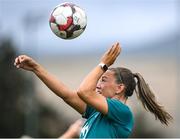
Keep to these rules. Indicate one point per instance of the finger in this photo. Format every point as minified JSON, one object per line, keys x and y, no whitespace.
{"x":15,"y":64}
{"x":18,"y":66}
{"x":117,"y":52}
{"x":116,"y":49}
{"x":21,"y":58}
{"x":112,"y":49}
{"x":16,"y":61}
{"x":109,"y":50}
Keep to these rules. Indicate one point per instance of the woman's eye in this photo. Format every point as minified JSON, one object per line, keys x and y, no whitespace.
{"x":103,"y":80}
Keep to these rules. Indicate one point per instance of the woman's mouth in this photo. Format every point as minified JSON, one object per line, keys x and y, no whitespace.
{"x":99,"y":92}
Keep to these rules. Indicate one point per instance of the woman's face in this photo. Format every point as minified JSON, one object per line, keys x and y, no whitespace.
{"x":107,"y":85}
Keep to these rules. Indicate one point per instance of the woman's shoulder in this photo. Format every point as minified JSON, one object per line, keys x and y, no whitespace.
{"x":119,"y":111}
{"x":117,"y":104}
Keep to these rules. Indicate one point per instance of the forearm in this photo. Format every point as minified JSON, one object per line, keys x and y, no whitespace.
{"x":52,"y":82}
{"x":69,"y":96}
{"x":90,"y":82}
{"x":87,"y":91}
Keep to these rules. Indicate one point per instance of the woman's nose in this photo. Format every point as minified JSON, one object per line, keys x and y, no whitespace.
{"x":98,"y":86}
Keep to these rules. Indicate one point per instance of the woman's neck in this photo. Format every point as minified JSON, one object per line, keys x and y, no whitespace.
{"x":120,"y":98}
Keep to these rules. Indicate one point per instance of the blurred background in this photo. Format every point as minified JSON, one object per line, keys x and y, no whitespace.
{"x":148,"y":31}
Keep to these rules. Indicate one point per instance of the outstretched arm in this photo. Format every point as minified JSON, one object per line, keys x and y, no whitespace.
{"x":87,"y":88}
{"x":60,"y":89}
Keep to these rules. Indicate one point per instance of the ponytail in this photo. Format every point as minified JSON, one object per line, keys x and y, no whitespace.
{"x":149,"y":102}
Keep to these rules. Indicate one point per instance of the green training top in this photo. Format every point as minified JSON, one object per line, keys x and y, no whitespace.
{"x":117,"y":123}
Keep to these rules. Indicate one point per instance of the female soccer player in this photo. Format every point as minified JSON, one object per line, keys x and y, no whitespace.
{"x":101,"y":97}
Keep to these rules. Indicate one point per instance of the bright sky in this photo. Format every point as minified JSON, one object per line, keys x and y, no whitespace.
{"x":132,"y":22}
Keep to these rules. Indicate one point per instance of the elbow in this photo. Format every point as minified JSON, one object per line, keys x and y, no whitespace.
{"x":83,"y":93}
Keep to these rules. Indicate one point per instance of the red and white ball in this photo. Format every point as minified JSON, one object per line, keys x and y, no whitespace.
{"x":68,"y":21}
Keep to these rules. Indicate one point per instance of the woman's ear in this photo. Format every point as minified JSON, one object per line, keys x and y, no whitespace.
{"x":120,"y":88}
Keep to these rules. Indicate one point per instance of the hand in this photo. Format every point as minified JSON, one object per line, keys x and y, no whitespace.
{"x":25,"y":63}
{"x":74,"y":130}
{"x":110,"y":56}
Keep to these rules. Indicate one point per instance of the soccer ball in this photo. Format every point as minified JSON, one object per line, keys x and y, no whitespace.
{"x":68,"y":21}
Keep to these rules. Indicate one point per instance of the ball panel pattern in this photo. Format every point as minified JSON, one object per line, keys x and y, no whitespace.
{"x":68,"y":21}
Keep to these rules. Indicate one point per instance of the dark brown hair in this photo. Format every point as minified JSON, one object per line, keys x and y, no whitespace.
{"x":143,"y":91}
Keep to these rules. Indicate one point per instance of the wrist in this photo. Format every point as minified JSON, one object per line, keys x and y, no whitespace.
{"x":103,"y":66}
{"x":37,"y":68}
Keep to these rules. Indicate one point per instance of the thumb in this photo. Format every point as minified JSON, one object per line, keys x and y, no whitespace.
{"x":21,"y":59}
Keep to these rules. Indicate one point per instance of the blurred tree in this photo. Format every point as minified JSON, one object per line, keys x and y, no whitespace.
{"x":21,"y":113}
{"x":11,"y":89}
{"x":141,"y":128}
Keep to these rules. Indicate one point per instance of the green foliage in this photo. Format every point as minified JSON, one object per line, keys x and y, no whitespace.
{"x":11,"y":89}
{"x":20,"y":111}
